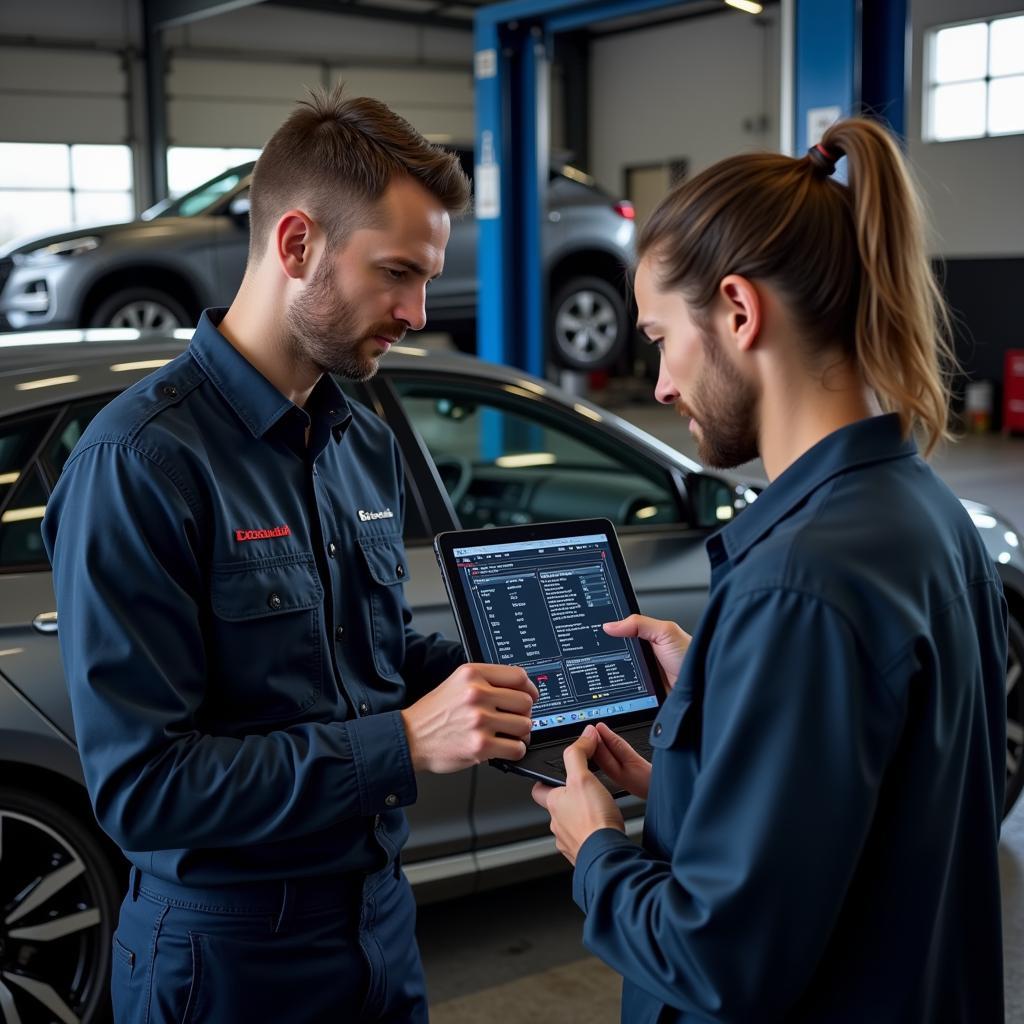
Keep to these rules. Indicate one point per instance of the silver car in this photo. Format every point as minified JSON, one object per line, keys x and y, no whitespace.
{"x":559,"y":457}
{"x":161,"y":271}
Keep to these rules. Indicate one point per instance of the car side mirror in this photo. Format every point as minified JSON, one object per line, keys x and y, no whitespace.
{"x":713,"y":501}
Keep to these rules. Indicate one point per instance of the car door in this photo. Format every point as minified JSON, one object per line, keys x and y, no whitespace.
{"x":506,"y":455}
{"x":33,"y":449}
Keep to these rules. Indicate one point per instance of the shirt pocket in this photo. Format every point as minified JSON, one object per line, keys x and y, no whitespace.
{"x":675,"y":725}
{"x":266,"y":644}
{"x":387,"y":568}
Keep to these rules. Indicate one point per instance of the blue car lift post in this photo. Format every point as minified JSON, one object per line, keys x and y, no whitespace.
{"x":848,"y":56}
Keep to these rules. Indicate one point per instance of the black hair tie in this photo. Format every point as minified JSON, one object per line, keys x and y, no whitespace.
{"x":823,"y":158}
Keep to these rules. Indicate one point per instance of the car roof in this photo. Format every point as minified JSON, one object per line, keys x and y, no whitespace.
{"x":40,"y":368}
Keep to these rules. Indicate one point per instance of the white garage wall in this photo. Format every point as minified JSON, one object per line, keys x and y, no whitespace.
{"x":974,"y":187}
{"x":702,"y":88}
{"x":70,"y":72}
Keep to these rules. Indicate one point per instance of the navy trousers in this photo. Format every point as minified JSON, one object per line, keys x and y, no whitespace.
{"x":315,"y":951}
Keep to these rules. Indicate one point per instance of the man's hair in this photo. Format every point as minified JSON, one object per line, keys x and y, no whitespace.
{"x":334,"y":157}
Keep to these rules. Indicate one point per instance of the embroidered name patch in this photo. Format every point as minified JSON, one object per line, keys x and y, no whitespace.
{"x":276,"y":531}
{"x":369,"y":517}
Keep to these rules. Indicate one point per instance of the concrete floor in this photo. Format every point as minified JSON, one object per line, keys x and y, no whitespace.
{"x":514,"y":955}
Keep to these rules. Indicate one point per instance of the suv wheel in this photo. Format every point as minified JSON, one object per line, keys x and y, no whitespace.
{"x":59,"y":900}
{"x":1014,"y":714}
{"x":144,"y":309}
{"x":589,"y":325}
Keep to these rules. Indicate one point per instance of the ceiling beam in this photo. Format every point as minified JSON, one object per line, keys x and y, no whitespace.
{"x":354,"y":9}
{"x":164,"y":14}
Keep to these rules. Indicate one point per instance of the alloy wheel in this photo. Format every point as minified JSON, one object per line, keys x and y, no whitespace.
{"x":51,"y":925}
{"x":586,"y":326}
{"x":145,"y":315}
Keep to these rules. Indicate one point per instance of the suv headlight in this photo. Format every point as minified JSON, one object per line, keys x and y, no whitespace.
{"x":71,"y":247}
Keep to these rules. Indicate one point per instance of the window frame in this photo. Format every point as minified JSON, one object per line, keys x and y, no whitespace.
{"x":553,"y":411}
{"x":72,"y":190}
{"x":930,"y":84}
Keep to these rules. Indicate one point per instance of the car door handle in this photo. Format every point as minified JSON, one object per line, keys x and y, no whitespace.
{"x":45,"y":622}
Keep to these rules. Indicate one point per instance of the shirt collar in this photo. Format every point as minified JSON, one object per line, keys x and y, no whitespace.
{"x":256,"y":402}
{"x":876,"y":439}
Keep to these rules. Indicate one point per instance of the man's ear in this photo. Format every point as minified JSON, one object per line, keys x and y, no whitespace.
{"x":743,"y":310}
{"x":293,"y":244}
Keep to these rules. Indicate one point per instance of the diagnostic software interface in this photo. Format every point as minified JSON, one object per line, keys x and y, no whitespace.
{"x":541,"y":605}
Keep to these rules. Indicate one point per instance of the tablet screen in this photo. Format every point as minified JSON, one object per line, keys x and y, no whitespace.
{"x":540,"y":604}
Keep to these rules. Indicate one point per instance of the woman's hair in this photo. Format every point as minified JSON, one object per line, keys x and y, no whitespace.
{"x":849,"y":260}
{"x":335,"y":156}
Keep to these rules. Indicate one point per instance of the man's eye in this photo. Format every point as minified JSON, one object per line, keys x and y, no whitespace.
{"x":395,"y":275}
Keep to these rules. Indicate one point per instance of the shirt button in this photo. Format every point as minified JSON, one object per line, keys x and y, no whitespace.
{"x":332,"y":549}
{"x":391,"y":800}
{"x":399,"y":571}
{"x":274,"y":601}
{"x":339,"y":632}
{"x":364,"y":708}
{"x":657,"y":729}
{"x":170,"y":391}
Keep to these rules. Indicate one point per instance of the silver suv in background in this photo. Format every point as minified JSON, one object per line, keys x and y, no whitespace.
{"x":182,"y":255}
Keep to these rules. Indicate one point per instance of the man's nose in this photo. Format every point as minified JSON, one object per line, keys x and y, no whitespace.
{"x":665,"y":391}
{"x":413,"y":309}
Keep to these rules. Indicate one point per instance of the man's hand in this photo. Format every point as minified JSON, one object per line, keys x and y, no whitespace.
{"x":478,"y":712}
{"x":669,"y":641}
{"x":621,"y":763}
{"x":582,"y":806}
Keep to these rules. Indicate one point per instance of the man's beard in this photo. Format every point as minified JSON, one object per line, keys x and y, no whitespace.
{"x":322,"y":327}
{"x":725,"y":411}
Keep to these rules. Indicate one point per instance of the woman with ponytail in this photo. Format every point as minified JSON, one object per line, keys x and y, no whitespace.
{"x":825,"y":795}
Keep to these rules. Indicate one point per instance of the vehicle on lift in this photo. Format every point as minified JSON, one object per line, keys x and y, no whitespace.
{"x":483,"y":445}
{"x":159,"y":272}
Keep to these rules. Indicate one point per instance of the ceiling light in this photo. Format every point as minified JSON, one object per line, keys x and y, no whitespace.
{"x":746,"y":5}
{"x":48,"y":382}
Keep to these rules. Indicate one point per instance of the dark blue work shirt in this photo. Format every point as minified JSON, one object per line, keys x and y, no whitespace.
{"x":234,"y":633}
{"x":827,"y":786}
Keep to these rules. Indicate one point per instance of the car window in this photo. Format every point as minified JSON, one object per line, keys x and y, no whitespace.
{"x":68,"y":433}
{"x":506,"y":459}
{"x":200,"y":199}
{"x":21,"y":543}
{"x":18,"y":443}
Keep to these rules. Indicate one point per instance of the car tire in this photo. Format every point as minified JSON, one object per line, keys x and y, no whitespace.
{"x":590,"y":327}
{"x":1014,"y":714}
{"x":53,"y":864}
{"x":141,"y":309}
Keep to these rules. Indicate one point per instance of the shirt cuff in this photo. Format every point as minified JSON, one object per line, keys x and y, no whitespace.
{"x":594,"y":846}
{"x":384,"y":772}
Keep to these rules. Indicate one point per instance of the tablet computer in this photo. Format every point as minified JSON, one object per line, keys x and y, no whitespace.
{"x":537,"y":596}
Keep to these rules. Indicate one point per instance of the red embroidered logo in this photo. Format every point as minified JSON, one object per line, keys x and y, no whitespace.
{"x":277,"y":531}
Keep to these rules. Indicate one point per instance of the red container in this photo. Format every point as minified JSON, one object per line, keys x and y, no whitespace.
{"x":1013,"y":391}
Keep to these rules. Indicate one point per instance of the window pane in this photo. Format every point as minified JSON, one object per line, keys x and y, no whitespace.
{"x":188,"y":167}
{"x":18,"y":442}
{"x":958,"y":111}
{"x":1006,"y":105}
{"x":33,"y":213}
{"x":103,"y":207}
{"x":21,"y":543}
{"x":39,"y":165}
{"x":1006,"y":55}
{"x":961,"y":53}
{"x":102,"y":167}
{"x":504,"y":461}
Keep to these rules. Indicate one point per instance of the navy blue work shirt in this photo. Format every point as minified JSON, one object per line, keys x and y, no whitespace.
{"x":234,"y":633}
{"x":827,"y":786}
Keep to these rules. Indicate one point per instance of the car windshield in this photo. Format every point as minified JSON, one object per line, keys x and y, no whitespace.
{"x":200,"y":199}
